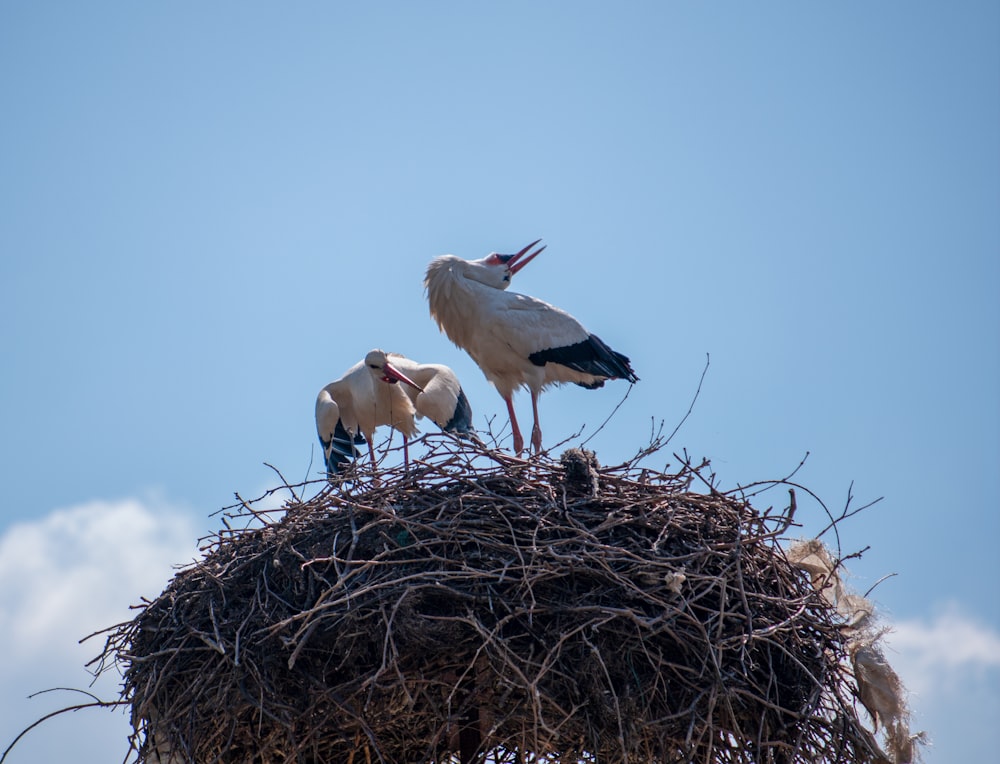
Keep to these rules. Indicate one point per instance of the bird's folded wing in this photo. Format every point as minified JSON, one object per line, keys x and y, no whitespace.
{"x":531,"y":325}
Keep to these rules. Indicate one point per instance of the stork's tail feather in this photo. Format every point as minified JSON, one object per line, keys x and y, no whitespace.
{"x":339,"y":451}
{"x":461,"y":421}
{"x":590,"y":356}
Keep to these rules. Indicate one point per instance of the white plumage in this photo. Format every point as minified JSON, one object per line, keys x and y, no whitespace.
{"x":518,"y":341}
{"x":439,"y":396}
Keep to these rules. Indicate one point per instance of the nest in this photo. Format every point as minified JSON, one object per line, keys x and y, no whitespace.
{"x":482,"y":608}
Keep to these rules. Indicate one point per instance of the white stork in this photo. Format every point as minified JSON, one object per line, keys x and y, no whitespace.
{"x":438,"y":394}
{"x":518,"y":341}
{"x":349,"y":410}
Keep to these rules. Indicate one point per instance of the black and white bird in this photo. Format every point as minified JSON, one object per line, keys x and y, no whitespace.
{"x":349,"y":410}
{"x":517,"y":340}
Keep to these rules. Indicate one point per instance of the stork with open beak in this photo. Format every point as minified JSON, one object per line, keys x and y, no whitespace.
{"x":349,"y":410}
{"x":517,"y":340}
{"x":437,"y":393}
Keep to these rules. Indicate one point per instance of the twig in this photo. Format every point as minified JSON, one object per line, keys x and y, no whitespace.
{"x":693,"y":401}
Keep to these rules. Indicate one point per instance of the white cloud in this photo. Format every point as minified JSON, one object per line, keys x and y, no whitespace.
{"x":933,"y":656}
{"x":77,"y":570}
{"x":951,"y":640}
{"x":62,"y":577}
{"x":950,"y":664}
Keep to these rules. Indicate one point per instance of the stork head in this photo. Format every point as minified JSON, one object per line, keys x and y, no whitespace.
{"x":496,"y":270}
{"x":378,"y":363}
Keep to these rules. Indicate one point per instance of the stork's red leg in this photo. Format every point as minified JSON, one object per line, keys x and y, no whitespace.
{"x":536,"y":430}
{"x":515,"y":430}
{"x":406,"y":454}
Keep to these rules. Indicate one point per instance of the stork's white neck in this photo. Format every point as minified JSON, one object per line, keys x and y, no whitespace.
{"x":455,"y":299}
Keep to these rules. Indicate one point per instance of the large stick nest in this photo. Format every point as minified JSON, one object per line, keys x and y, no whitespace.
{"x":530,"y":611}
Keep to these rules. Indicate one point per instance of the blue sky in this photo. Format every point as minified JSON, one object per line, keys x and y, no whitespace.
{"x":209,"y":211}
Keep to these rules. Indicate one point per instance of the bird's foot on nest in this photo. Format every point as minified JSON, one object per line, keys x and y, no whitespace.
{"x":536,"y":439}
{"x":518,"y":443}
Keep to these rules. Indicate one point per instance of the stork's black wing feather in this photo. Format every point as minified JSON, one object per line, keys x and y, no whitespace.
{"x":590,"y":356}
{"x":339,"y":451}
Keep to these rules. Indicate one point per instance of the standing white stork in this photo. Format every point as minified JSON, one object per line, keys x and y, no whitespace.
{"x":438,"y":394}
{"x":349,"y":410}
{"x":518,"y":341}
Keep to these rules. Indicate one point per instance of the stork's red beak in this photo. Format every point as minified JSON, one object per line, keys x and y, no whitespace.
{"x":514,"y":262}
{"x":392,"y":375}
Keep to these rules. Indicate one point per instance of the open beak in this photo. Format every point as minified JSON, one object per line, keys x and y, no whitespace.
{"x":392,"y":375}
{"x":514,"y":262}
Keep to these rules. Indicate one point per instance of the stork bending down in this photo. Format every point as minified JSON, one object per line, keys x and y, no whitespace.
{"x":518,"y":341}
{"x":349,"y":410}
